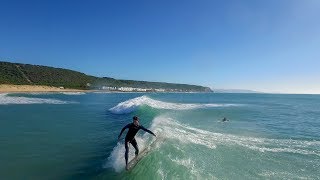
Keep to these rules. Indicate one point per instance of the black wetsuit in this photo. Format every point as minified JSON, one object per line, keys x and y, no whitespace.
{"x":133,"y":129}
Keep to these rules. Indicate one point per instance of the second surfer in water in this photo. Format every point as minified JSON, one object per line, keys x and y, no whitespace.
{"x":133,"y":129}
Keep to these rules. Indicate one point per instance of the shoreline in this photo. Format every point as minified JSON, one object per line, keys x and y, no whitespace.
{"x":9,"y":88}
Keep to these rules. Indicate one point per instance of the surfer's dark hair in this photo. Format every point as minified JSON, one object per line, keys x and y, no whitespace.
{"x":135,"y":118}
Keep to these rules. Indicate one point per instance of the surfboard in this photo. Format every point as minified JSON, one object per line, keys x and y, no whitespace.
{"x":142,"y":154}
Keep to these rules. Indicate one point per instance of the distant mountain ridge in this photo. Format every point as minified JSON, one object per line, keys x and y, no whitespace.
{"x":27,"y":74}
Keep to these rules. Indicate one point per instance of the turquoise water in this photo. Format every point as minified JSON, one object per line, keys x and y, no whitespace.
{"x":74,"y":136}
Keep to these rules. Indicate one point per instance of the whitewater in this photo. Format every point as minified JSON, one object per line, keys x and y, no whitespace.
{"x":132,"y":104}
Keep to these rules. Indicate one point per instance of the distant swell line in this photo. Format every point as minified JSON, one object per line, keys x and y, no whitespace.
{"x":6,"y":100}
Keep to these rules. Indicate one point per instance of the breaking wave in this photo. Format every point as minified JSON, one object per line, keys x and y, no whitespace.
{"x":132,"y":104}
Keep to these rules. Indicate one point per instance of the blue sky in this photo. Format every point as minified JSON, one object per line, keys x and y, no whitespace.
{"x":271,"y":46}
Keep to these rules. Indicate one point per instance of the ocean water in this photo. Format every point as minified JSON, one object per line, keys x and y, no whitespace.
{"x":74,"y":136}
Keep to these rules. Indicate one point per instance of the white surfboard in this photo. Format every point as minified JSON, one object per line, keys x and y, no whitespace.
{"x":142,"y":154}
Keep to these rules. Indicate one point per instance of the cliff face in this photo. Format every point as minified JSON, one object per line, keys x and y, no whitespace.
{"x":26,"y":74}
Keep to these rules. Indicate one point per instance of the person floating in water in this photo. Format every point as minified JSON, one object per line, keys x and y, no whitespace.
{"x":133,"y":129}
{"x":225,"y":119}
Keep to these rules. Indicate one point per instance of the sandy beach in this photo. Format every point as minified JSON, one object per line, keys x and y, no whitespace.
{"x":8,"y":88}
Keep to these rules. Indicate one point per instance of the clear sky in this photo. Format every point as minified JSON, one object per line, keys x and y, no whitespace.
{"x":264,"y":45}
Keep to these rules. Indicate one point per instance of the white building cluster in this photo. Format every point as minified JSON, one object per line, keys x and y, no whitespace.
{"x":132,"y":89}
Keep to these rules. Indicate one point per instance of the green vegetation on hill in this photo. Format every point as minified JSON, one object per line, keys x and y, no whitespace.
{"x":22,"y":74}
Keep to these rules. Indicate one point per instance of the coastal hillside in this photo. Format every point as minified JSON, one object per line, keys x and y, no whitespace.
{"x":27,"y":74}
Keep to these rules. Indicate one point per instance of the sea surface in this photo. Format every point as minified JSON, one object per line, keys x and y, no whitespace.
{"x":74,"y":136}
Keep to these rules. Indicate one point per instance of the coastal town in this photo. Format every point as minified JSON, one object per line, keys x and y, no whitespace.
{"x":133,"y":89}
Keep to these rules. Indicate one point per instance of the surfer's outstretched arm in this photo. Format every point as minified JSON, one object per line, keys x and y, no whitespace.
{"x":124,"y":128}
{"x":147,"y":130}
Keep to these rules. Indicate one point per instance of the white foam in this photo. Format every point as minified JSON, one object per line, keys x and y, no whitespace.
{"x":195,"y":171}
{"x":188,"y":163}
{"x":116,"y":159}
{"x":185,"y":134}
{"x":5,"y":100}
{"x":132,"y":104}
{"x":102,"y":92}
{"x":162,"y":174}
{"x":39,"y":93}
{"x":73,"y":93}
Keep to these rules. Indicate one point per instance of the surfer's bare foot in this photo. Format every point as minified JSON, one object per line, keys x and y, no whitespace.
{"x":127,"y":167}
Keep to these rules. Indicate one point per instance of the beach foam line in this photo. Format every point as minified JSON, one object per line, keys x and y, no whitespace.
{"x":132,"y":104}
{"x":73,"y":93}
{"x":185,"y":134}
{"x":6,"y":100}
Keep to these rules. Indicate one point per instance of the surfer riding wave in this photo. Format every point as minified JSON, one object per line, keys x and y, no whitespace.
{"x":133,"y":129}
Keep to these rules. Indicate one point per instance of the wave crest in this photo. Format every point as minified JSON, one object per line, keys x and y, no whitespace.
{"x":132,"y":104}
